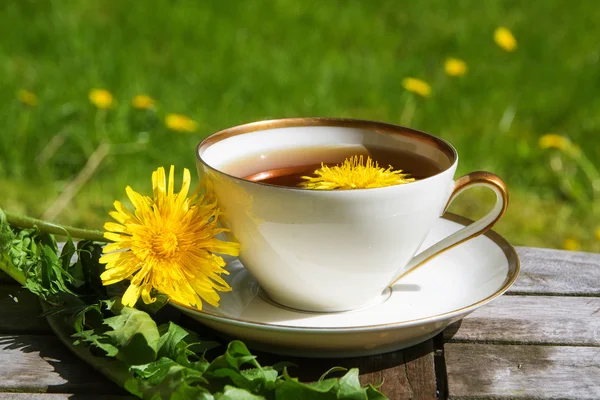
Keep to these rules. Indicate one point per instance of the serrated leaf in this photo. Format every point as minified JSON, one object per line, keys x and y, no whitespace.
{"x":200,"y":346}
{"x":233,"y":393}
{"x":165,"y":379}
{"x":52,"y":271}
{"x":293,"y":389}
{"x":331,"y":371}
{"x":349,"y":387}
{"x":171,"y":336}
{"x":92,"y":312}
{"x":236,"y":355}
{"x":280,"y":366}
{"x":266,"y":374}
{"x":236,"y":378}
{"x":66,"y":255}
{"x":96,"y":338}
{"x":323,"y":386}
{"x":374,"y":394}
{"x":88,"y":255}
{"x":135,"y":335}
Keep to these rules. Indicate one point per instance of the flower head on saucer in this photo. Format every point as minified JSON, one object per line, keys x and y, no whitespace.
{"x":355,"y":173}
{"x":168,"y":244}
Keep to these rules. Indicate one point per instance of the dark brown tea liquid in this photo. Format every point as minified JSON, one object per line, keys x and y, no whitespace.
{"x":287,"y":167}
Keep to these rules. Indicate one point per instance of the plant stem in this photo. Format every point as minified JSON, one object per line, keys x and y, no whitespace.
{"x":77,"y":183}
{"x":7,"y":266}
{"x":48,"y":227}
{"x":591,"y":173}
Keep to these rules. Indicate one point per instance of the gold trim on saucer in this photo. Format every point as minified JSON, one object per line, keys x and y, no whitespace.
{"x":513,"y":273}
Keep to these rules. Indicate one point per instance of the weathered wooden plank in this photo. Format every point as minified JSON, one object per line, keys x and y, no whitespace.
{"x":20,"y":311}
{"x":32,"y":363}
{"x":545,"y":271}
{"x":522,"y":371}
{"x":61,"y":396}
{"x":532,"y":319}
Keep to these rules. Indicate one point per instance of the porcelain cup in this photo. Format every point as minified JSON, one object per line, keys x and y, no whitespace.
{"x":335,"y":250}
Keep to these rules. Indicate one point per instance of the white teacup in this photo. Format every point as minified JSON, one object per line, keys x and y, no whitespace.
{"x":335,"y":250}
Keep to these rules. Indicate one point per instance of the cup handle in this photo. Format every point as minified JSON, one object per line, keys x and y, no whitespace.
{"x":478,"y":178}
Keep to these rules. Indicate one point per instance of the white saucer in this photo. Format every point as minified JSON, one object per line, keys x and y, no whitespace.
{"x":419,"y":306}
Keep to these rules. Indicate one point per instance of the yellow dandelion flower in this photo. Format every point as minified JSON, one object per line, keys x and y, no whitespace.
{"x":142,"y":102}
{"x":455,"y":67}
{"x":555,"y":141}
{"x":571,"y":244}
{"x":168,"y":244}
{"x":505,"y":39}
{"x":180,"y":123}
{"x":28,"y":98}
{"x":598,"y":233}
{"x":354,"y":174}
{"x":101,"y":98}
{"x":417,"y":86}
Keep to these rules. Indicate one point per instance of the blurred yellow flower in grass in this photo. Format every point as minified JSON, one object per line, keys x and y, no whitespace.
{"x":455,"y":67}
{"x":142,"y":102}
{"x":598,"y":233}
{"x":180,"y":123}
{"x":505,"y":39}
{"x":417,"y":86}
{"x":101,"y":98}
{"x":571,"y":244}
{"x":168,"y":244}
{"x":556,"y":141}
{"x":28,"y":98}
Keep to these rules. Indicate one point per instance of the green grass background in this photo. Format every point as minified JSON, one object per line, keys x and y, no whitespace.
{"x":224,"y":63}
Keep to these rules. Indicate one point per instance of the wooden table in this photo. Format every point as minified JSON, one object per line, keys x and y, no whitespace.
{"x":541,"y":340}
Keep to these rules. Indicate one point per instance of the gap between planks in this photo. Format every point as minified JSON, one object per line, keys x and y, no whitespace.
{"x":547,"y":320}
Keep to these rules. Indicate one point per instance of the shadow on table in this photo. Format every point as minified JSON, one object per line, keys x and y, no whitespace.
{"x":311,"y":369}
{"x":55,"y":369}
{"x":451,"y":330}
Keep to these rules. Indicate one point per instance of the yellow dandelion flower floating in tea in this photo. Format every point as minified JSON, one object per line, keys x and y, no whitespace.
{"x":101,"y":98}
{"x":505,"y":39}
{"x":417,"y":86}
{"x":354,"y":173}
{"x":28,"y":98}
{"x":142,"y":102}
{"x":168,"y":244}
{"x":180,"y":123}
{"x":571,"y":244}
{"x":455,"y":67}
